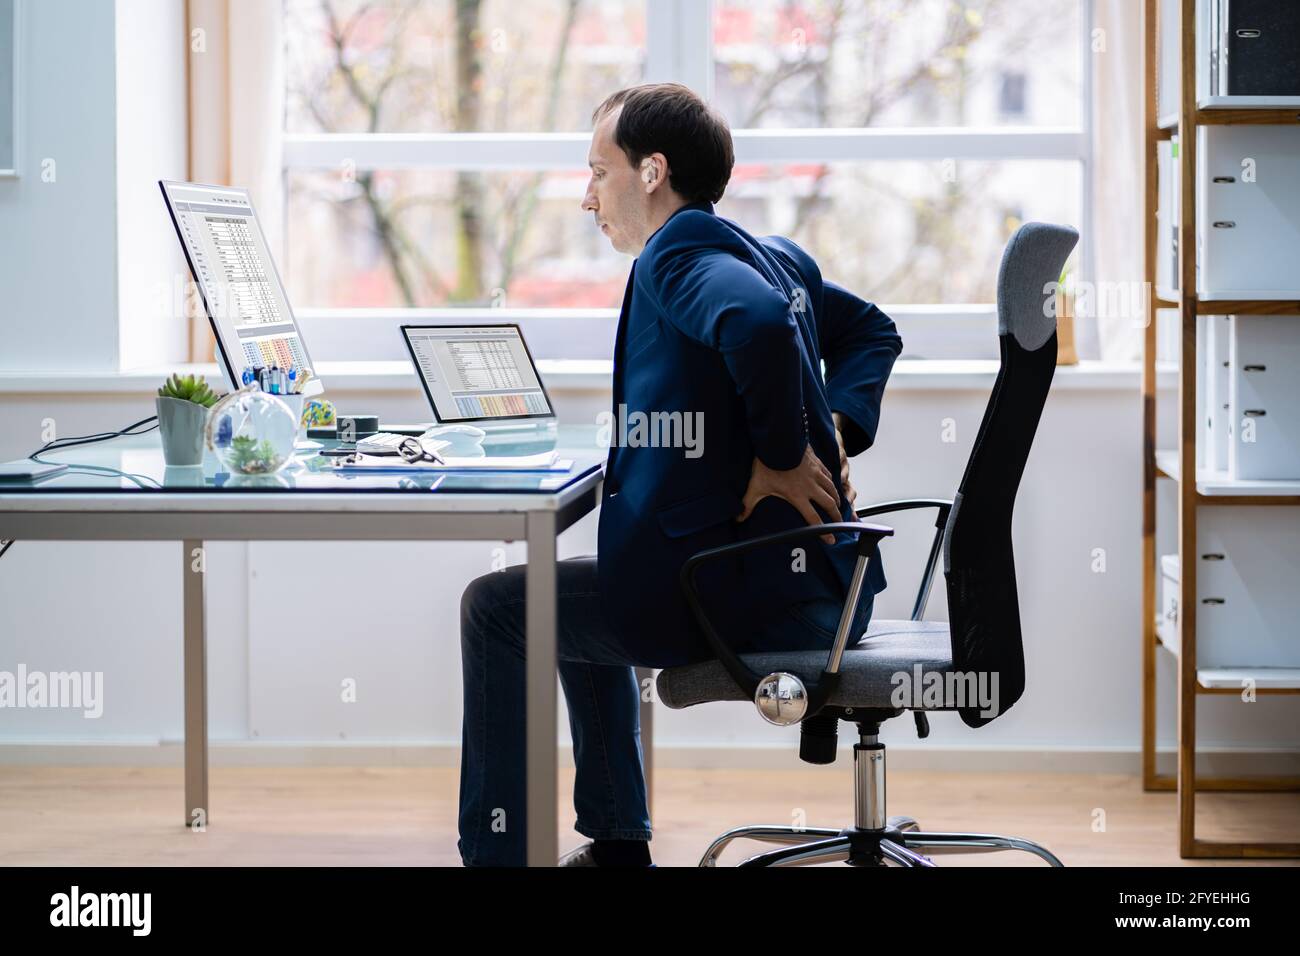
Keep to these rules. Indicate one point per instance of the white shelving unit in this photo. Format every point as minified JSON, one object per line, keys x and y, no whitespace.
{"x":1177,"y":104}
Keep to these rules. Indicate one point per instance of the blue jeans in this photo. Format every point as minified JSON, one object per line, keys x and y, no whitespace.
{"x":603,"y":698}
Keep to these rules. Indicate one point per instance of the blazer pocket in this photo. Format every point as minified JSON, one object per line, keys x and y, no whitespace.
{"x":696,"y":514}
{"x":644,"y":339}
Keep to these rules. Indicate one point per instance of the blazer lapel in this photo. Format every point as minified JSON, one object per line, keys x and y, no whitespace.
{"x":617,"y":386}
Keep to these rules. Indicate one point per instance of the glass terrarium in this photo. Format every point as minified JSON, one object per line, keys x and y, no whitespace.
{"x":252,"y":433}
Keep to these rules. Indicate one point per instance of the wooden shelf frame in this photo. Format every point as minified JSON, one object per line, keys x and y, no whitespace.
{"x":1189,"y":689}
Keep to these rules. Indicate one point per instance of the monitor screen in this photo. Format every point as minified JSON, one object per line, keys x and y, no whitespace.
{"x":477,"y":372}
{"x":237,"y":279}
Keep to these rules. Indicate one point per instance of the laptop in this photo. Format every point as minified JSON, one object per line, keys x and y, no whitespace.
{"x":480,"y":375}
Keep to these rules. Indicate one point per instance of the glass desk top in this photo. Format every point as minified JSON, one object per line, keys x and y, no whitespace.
{"x":135,"y":464}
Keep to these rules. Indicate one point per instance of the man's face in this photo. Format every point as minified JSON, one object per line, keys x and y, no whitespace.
{"x":616,"y":194}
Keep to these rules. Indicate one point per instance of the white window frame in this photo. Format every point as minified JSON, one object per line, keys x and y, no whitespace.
{"x":679,"y":46}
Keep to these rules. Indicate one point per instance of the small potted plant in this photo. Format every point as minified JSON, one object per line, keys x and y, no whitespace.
{"x":1066,"y":354}
{"x":183,"y":405}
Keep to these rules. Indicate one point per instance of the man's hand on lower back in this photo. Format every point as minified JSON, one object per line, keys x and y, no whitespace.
{"x":806,"y":485}
{"x":850,"y":494}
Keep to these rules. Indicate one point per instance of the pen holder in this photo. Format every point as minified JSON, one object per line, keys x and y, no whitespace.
{"x":295,"y":403}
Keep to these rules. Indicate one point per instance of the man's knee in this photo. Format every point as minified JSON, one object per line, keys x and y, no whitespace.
{"x":488,"y":593}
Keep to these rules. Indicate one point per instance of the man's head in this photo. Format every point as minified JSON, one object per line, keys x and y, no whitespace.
{"x":654,"y":149}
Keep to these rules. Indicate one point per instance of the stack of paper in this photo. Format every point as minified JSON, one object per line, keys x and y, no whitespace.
{"x":545,"y":461}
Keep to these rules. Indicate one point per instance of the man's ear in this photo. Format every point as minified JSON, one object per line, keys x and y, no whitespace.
{"x":654,"y":170}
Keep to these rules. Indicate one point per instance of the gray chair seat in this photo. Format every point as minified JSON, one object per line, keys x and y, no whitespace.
{"x":866,"y":673}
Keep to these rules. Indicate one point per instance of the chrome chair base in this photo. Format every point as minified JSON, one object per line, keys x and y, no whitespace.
{"x":897,"y":845}
{"x":874,"y":839}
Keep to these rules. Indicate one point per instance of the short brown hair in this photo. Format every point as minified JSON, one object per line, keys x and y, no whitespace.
{"x":670,"y":118}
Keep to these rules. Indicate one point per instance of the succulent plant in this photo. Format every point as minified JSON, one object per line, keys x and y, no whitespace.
{"x":251,"y":457}
{"x":189,"y":389}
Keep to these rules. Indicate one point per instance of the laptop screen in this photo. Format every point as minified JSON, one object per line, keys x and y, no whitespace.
{"x":474,"y":373}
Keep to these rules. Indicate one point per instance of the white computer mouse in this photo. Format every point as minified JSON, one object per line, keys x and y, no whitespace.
{"x":464,"y":439}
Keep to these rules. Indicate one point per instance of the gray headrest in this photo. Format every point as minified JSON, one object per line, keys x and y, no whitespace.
{"x":1031,"y":263}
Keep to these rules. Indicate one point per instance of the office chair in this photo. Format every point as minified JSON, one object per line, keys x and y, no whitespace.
{"x":867,"y":683}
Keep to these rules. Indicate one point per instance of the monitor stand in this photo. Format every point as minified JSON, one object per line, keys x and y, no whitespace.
{"x":519,"y":438}
{"x":537,"y":428}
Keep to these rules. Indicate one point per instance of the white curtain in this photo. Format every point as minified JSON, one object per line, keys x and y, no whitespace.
{"x":236,"y":108}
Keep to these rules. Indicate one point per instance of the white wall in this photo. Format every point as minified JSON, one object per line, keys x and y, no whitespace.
{"x":83,"y":230}
{"x":283,"y":632}
{"x":58,"y":266}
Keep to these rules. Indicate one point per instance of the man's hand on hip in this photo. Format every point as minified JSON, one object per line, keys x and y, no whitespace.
{"x":805,"y":485}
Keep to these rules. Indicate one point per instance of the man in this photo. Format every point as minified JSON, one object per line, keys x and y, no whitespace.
{"x":718,"y":328}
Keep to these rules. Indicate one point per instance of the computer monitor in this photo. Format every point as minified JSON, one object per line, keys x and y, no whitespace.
{"x":241,"y":288}
{"x":477,"y":374}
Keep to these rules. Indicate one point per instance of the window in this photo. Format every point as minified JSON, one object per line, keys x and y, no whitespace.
{"x":435,"y":152}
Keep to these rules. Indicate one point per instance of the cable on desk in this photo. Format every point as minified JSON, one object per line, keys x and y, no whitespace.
{"x":60,"y":443}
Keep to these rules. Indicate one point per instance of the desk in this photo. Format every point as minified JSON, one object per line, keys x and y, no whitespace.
{"x":133,"y":497}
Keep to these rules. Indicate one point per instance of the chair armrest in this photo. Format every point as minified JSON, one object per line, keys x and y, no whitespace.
{"x":932,"y":560}
{"x":868,"y":536}
{"x":909,"y":504}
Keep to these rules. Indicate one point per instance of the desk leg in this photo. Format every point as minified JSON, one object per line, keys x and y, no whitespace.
{"x":196,"y":686}
{"x":540,"y":696}
{"x":644,"y":674}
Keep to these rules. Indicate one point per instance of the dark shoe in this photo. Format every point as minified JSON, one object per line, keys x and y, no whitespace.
{"x":582,"y":856}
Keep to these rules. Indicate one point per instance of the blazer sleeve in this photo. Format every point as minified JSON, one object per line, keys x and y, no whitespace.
{"x":859,"y":344}
{"x":719,"y":300}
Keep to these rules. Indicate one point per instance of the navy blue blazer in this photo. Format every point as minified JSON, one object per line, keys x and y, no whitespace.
{"x":731,"y":331}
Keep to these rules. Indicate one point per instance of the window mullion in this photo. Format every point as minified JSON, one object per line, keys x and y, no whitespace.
{"x":679,"y":43}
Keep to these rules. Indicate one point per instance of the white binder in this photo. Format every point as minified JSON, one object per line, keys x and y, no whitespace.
{"x":1264,"y":392}
{"x":1202,"y":344}
{"x":1245,"y":607}
{"x":1169,"y":335}
{"x":1248,"y":212}
{"x":1218,"y":413}
{"x":1248,"y":560}
{"x":1168,"y":61}
{"x":1167,"y":218}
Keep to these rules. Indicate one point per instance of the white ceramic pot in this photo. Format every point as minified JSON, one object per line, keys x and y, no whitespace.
{"x":182,"y":425}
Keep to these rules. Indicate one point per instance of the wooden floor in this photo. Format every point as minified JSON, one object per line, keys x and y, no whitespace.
{"x":349,"y":816}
